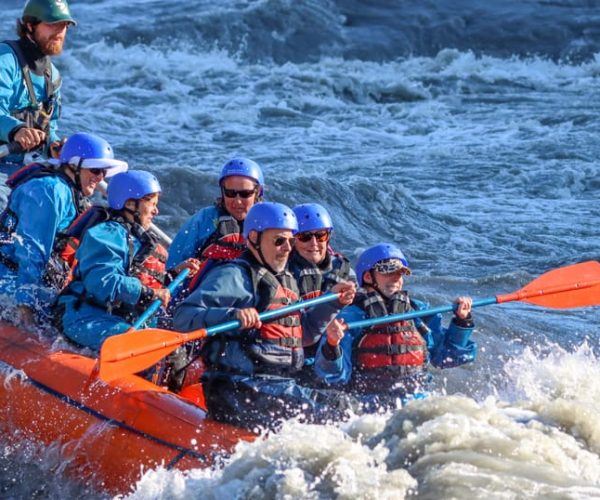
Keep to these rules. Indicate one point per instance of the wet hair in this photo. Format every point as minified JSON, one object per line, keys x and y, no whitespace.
{"x":22,"y":29}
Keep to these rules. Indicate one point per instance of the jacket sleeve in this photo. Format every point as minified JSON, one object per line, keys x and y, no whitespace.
{"x":44,"y":207}
{"x":192,"y":235}
{"x":225,"y":289}
{"x":103,"y":259}
{"x":338,"y":369}
{"x":448,"y":347}
{"x":10,"y":78}
{"x":316,"y":319}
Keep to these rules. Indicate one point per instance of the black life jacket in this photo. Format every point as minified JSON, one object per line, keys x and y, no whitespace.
{"x":38,"y":114}
{"x":225,"y":243}
{"x":148,"y":264}
{"x":277,"y":346}
{"x":384,"y":353}
{"x":9,"y":219}
{"x":314,"y":280}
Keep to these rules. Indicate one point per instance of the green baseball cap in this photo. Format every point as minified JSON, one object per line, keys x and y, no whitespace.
{"x":49,"y":11}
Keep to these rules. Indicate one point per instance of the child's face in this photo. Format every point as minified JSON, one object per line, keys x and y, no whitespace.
{"x":390,"y":283}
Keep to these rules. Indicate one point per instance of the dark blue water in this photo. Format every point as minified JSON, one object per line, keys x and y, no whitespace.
{"x":465,"y":132}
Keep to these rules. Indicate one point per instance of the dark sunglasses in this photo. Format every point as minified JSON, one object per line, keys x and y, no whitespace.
{"x":98,"y":171}
{"x":242,"y":193}
{"x":320,"y":236}
{"x":281,"y":240}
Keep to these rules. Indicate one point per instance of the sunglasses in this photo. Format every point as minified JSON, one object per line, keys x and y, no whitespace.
{"x":281,"y":240}
{"x":320,"y":236}
{"x":242,"y":193}
{"x":98,"y":171}
{"x":392,"y":266}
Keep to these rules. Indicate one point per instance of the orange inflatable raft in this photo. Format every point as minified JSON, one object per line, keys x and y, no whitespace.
{"x":108,"y":432}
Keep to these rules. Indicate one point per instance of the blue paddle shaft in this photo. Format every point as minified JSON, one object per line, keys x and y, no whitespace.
{"x":148,"y":313}
{"x":415,"y":314}
{"x":282,"y":311}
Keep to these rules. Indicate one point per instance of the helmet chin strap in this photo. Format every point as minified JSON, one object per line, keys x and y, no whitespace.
{"x":135,"y":213}
{"x":375,"y":285}
{"x":76,"y":173}
{"x":256,"y":247}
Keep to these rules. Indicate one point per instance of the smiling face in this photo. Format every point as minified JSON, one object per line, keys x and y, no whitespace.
{"x":312,"y":245}
{"x":89,"y":179}
{"x":147,"y":209}
{"x":234,"y":189}
{"x":275,"y":246}
{"x":388,"y":284}
{"x":50,"y":37}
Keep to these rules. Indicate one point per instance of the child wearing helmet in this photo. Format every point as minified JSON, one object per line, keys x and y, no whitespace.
{"x":387,"y":364}
{"x":215,"y":233}
{"x":43,"y":202}
{"x":250,"y":377}
{"x":121,"y":267}
{"x":30,"y":83}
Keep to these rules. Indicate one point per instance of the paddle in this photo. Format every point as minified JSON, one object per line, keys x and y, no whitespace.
{"x":567,"y":287}
{"x":148,"y":313}
{"x":132,"y":352}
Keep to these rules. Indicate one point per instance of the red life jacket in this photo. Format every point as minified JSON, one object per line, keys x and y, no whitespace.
{"x":225,"y":243}
{"x":273,"y":292}
{"x":59,"y":271}
{"x":397,"y":344}
{"x":148,"y":264}
{"x":276,"y":347}
{"x":281,"y":291}
{"x":314,"y":280}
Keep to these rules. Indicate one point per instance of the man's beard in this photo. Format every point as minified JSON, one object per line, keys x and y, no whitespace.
{"x":51,"y":46}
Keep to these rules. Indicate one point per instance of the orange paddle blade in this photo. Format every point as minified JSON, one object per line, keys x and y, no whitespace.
{"x":568,"y":287}
{"x":134,"y":351}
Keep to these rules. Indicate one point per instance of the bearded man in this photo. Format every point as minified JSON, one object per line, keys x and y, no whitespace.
{"x":30,"y":98}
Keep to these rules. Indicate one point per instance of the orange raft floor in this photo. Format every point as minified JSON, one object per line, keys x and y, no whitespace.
{"x":107,"y":432}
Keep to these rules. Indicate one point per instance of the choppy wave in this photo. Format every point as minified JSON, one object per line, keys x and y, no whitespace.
{"x":546,"y":445}
{"x":283,"y":30}
{"x":464,"y":132}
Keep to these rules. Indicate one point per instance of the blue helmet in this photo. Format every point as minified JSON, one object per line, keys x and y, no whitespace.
{"x":384,"y":257}
{"x":244,"y":168}
{"x":90,"y":151}
{"x":268,"y":215}
{"x":132,"y":185}
{"x":311,"y":217}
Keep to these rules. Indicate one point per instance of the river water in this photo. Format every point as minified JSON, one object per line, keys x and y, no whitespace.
{"x":463,"y":131}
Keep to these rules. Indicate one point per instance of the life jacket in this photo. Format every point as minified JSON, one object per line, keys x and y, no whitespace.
{"x":390,"y":350}
{"x":37,"y":114}
{"x":276,"y":347}
{"x":148,"y":264}
{"x":225,"y":243}
{"x":59,"y":271}
{"x":314,"y":280}
{"x":9,"y":219}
